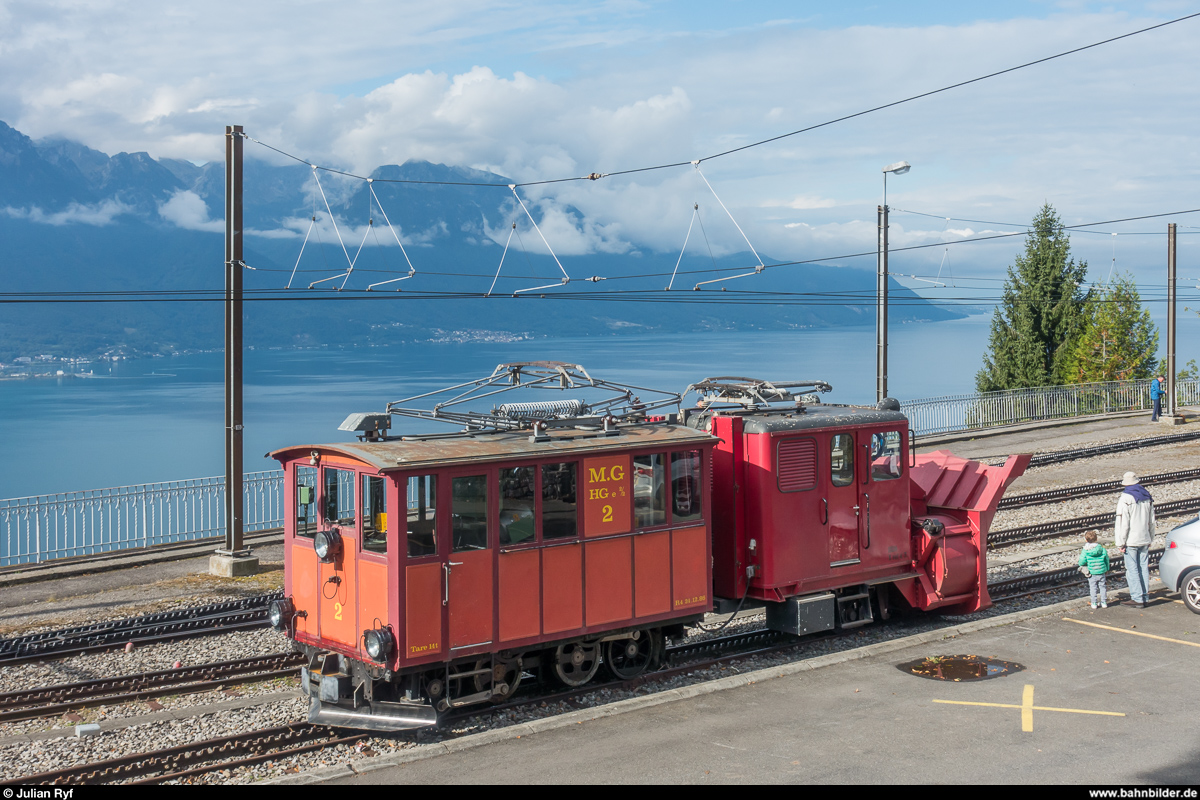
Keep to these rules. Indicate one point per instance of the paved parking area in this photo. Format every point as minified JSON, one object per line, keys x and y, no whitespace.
{"x":1105,"y":697}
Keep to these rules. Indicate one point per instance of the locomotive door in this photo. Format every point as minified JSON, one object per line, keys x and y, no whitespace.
{"x":468,"y":567}
{"x":337,"y":612}
{"x":845,"y":512}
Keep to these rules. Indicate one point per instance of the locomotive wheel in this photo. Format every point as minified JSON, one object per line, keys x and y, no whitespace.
{"x":506,"y":672}
{"x":628,"y":658}
{"x":575,"y":664}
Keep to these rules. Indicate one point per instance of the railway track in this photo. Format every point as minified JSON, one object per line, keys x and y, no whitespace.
{"x":1065,"y":527}
{"x":190,"y":760}
{"x":1061,"y":456}
{"x":227,"y":753}
{"x":244,"y":614}
{"x":55,"y":700}
{"x":1092,"y":489}
{"x":1024,"y":586}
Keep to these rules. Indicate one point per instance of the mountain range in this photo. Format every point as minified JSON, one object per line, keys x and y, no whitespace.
{"x":73,"y":219}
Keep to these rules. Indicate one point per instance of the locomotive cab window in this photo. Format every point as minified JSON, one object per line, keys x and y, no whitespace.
{"x":841,"y":459}
{"x":886,"y":460}
{"x":468,"y":513}
{"x":685,"y":486}
{"x":339,"y":496}
{"x":422,"y":516}
{"x":306,"y":501}
{"x":374,"y":515}
{"x":518,"y":505}
{"x":560,"y":510}
{"x":649,"y":490}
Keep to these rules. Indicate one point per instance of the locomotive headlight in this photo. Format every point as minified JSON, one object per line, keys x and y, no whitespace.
{"x":379,"y":643}
{"x":280,"y":613}
{"x":327,"y":544}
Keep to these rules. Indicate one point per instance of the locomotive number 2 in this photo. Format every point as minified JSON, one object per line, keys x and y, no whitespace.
{"x":337,"y":611}
{"x":608,"y":514}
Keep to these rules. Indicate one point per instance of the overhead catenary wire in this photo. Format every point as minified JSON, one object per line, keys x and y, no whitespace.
{"x":594,"y":176}
{"x":799,"y":262}
{"x":695,"y":163}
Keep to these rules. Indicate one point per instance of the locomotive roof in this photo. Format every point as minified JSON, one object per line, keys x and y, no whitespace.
{"x":420,"y":452}
{"x":813,"y":416}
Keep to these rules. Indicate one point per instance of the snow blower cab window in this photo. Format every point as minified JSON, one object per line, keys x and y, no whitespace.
{"x":517,"y":505}
{"x":374,"y":515}
{"x":339,"y":496}
{"x":841,"y":459}
{"x":422,"y":516}
{"x":886,"y":462}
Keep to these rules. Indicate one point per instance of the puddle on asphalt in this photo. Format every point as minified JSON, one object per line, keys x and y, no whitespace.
{"x":959,"y":668}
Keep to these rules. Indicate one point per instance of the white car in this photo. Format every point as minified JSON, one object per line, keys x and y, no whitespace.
{"x":1180,"y":564}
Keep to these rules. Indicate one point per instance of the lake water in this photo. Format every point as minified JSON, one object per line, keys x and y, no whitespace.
{"x":162,"y":419}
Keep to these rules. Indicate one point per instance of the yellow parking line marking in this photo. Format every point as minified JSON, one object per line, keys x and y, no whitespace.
{"x":1035,"y":708}
{"x":1027,"y":708}
{"x":1080,"y":711}
{"x":1132,"y":633}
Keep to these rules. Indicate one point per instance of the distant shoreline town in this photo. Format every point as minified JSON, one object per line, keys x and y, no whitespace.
{"x":51,"y":366}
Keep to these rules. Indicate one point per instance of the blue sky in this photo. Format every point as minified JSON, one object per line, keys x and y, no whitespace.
{"x":535,"y":90}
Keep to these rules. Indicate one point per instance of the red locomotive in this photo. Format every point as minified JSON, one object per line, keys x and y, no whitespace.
{"x":429,"y":572}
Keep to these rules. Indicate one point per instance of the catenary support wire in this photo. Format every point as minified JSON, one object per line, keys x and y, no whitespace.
{"x":695,"y":213}
{"x":566,"y":278}
{"x":507,"y":242}
{"x":760,"y":266}
{"x":411,"y":269}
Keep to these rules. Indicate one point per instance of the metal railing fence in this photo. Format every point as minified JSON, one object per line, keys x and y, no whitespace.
{"x":70,"y":524}
{"x":993,"y":409}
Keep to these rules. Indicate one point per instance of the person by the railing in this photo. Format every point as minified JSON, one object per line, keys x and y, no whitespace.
{"x":1156,"y":393}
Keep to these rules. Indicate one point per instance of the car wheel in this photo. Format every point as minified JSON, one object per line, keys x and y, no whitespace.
{"x":1189,"y":590}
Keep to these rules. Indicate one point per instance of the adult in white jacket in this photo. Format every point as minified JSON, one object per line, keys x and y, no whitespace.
{"x":1134,"y":531}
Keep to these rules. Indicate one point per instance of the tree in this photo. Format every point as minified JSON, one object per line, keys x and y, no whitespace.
{"x":1041,"y":312}
{"x":1118,"y":341}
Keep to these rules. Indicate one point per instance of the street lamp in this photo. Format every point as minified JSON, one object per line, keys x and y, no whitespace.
{"x":881,"y":286}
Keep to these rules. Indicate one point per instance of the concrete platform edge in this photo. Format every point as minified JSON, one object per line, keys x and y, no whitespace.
{"x":581,"y":716}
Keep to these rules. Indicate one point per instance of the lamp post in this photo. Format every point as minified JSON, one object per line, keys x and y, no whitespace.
{"x":881,"y":286}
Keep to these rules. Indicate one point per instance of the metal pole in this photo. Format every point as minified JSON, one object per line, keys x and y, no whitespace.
{"x":1170,"y":319}
{"x":233,"y":342}
{"x":881,"y":306}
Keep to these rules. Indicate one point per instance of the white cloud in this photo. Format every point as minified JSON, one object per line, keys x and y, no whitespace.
{"x":559,"y":90}
{"x":98,"y":214}
{"x":186,"y":209}
{"x":802,"y":202}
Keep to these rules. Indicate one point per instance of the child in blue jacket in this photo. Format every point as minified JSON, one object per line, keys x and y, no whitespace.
{"x":1094,"y":560}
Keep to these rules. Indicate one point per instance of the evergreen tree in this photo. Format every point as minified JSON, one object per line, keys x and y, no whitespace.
{"x":1040,"y":315}
{"x":1118,"y":341}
